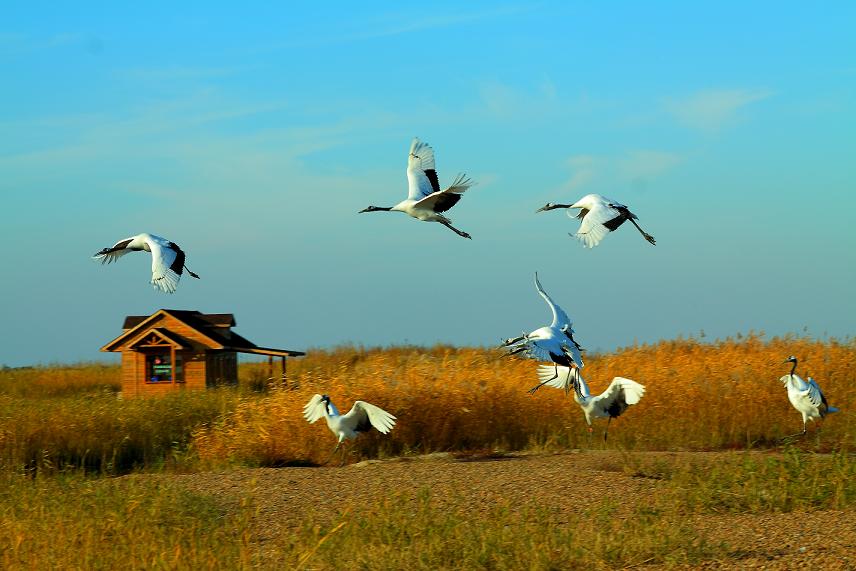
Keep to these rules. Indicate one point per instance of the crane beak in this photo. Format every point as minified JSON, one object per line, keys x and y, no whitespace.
{"x":542,"y":209}
{"x":511,"y":341}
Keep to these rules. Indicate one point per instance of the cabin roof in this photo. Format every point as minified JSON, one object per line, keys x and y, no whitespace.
{"x":213,"y":327}
{"x":206,"y":319}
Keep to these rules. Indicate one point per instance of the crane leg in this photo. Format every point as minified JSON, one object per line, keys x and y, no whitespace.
{"x":645,"y":235}
{"x":590,"y":431}
{"x":804,"y":430}
{"x":455,"y":230}
{"x":539,"y":385}
{"x":191,"y":273}
{"x":330,"y":457}
{"x":606,"y":430}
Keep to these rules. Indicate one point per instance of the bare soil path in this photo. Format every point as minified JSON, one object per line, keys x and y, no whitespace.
{"x":570,"y":482}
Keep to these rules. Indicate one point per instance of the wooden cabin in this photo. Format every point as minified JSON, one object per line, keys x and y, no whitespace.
{"x":177,"y":349}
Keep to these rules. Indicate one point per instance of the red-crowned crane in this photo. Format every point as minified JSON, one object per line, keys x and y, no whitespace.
{"x":554,"y":342}
{"x":425,"y":201}
{"x":362,"y":417}
{"x":600,"y":216}
{"x":805,"y":396}
{"x":167,"y":258}
{"x":611,"y":403}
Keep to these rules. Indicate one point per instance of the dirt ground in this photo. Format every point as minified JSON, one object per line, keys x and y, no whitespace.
{"x":569,"y":481}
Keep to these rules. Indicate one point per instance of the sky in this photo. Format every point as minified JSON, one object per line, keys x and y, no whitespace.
{"x":251,"y":134}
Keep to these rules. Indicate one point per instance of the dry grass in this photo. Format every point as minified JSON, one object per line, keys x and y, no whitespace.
{"x":99,"y":433}
{"x":700,"y":397}
{"x":59,"y":380}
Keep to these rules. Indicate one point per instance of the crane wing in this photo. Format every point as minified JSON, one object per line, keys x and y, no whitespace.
{"x":620,"y":394}
{"x":363,"y":415}
{"x":421,"y":175}
{"x":798,"y":383}
{"x":113,"y":253}
{"x":565,"y":381}
{"x":446,"y":199}
{"x":560,"y":318}
{"x":595,"y":224}
{"x":535,"y":351}
{"x":572,"y":349}
{"x":314,"y":409}
{"x":164,"y":262}
{"x":814,"y":395}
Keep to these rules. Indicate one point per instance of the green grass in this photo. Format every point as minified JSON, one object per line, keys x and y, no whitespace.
{"x":149,"y":521}
{"x":397,"y":535}
{"x":754,"y":483}
{"x":71,"y":522}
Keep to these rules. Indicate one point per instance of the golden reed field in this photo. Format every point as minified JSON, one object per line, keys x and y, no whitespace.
{"x":700,"y":396}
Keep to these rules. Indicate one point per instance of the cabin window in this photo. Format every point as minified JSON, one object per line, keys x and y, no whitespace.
{"x":158,"y":368}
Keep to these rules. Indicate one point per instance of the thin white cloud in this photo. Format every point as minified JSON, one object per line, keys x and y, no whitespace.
{"x":18,"y":44}
{"x":499,"y":99}
{"x":713,"y":109}
{"x":646,"y":164}
{"x":395,"y":24}
{"x":178,"y":73}
{"x":425,"y":22}
{"x":584,"y":169}
{"x":504,"y":101}
{"x":590,"y":171}
{"x":173,"y":133}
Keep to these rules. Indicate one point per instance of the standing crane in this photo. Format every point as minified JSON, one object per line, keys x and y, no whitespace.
{"x":805,"y":396}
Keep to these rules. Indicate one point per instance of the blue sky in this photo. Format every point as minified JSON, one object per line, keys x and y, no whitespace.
{"x":251,"y":134}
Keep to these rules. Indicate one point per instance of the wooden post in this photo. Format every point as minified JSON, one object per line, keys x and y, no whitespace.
{"x":172,"y":378}
{"x":270,"y":367}
{"x":283,"y":379}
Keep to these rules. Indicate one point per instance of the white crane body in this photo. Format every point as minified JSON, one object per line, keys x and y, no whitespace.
{"x":362,"y":417}
{"x":554,"y":342}
{"x":805,"y":396}
{"x":611,"y":403}
{"x":425,"y":199}
{"x":167,"y":258}
{"x":599,"y":216}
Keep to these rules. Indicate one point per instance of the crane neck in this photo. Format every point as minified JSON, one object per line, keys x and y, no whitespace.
{"x":330,"y":410}
{"x":794,"y":367}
